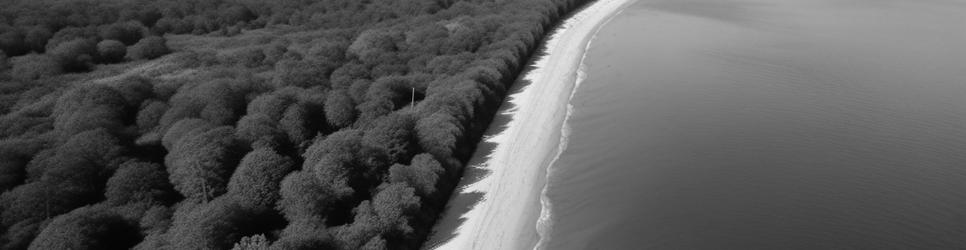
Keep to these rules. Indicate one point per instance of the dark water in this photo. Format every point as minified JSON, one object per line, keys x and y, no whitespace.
{"x":769,"y":124}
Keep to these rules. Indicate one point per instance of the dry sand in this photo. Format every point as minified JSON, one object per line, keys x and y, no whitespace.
{"x":498,"y":204}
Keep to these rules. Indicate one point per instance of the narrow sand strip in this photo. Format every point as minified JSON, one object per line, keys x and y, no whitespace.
{"x":505,"y":205}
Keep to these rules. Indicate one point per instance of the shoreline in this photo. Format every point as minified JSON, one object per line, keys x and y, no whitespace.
{"x":545,"y":221}
{"x":500,"y":202}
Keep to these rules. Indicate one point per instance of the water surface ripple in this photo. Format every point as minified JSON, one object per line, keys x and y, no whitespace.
{"x":769,"y":124}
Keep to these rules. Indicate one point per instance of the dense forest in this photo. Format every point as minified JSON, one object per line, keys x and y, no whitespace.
{"x":247,"y":124}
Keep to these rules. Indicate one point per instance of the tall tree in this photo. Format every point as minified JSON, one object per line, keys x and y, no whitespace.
{"x":201,"y":165}
{"x":256,"y":183}
{"x":137,"y":182}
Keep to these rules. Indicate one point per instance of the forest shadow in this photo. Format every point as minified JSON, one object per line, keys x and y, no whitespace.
{"x":476,"y":168}
{"x":460,"y":204}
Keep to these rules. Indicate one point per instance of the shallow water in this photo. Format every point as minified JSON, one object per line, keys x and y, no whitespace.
{"x":769,"y":124}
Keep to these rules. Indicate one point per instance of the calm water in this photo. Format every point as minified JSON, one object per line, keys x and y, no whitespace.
{"x":769,"y":124}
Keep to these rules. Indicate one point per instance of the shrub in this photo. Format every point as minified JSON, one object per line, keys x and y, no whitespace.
{"x":89,"y":118}
{"x":12,"y":42}
{"x":34,"y":66}
{"x":272,"y":104}
{"x":438,"y":134}
{"x":235,"y":14}
{"x":12,"y":172}
{"x":89,"y":107}
{"x":200,"y":165}
{"x":40,"y":200}
{"x":222,"y":110}
{"x":4,"y":61}
{"x":21,"y":234}
{"x":111,"y":51}
{"x":274,"y":51}
{"x":152,"y":241}
{"x":298,"y":124}
{"x":14,"y":156}
{"x":422,"y":174}
{"x":332,"y":51}
{"x":376,"y":243}
{"x":254,"y":242}
{"x":218,"y":102}
{"x":82,"y":97}
{"x":167,"y":25}
{"x":139,"y":182}
{"x":394,"y":135}
{"x":304,"y":197}
{"x":93,"y":227}
{"x":255,"y":184}
{"x":371,"y":44}
{"x":250,"y":57}
{"x":339,"y":109}
{"x":182,"y":129}
{"x":303,"y":73}
{"x":76,"y":171}
{"x":36,"y":38}
{"x":36,"y":167}
{"x":213,"y":225}
{"x":372,"y":110}
{"x":358,"y":90}
{"x":150,"y":114}
{"x":343,"y":77}
{"x":134,"y":89}
{"x":97,"y":146}
{"x":342,"y":145}
{"x":156,"y":219}
{"x":127,"y":32}
{"x":306,"y":234}
{"x":75,"y":55}
{"x":254,"y":127}
{"x":69,"y":34}
{"x":387,"y":215}
{"x":149,"y":48}
{"x":72,"y":175}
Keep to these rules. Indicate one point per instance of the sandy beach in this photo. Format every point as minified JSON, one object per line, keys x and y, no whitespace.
{"x":498,"y":204}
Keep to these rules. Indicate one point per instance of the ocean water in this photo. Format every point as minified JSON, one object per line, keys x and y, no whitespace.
{"x":768,"y":124}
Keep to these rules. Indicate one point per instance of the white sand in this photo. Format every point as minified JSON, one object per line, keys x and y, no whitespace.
{"x":499,"y":203}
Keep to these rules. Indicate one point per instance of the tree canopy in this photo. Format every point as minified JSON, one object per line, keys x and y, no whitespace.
{"x":201,"y":164}
{"x":93,"y":227}
{"x":255,"y":184}
{"x":222,"y":124}
{"x":136,"y":182}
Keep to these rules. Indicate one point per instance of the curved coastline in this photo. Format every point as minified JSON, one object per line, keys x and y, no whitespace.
{"x":508,"y":207}
{"x":545,"y":221}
